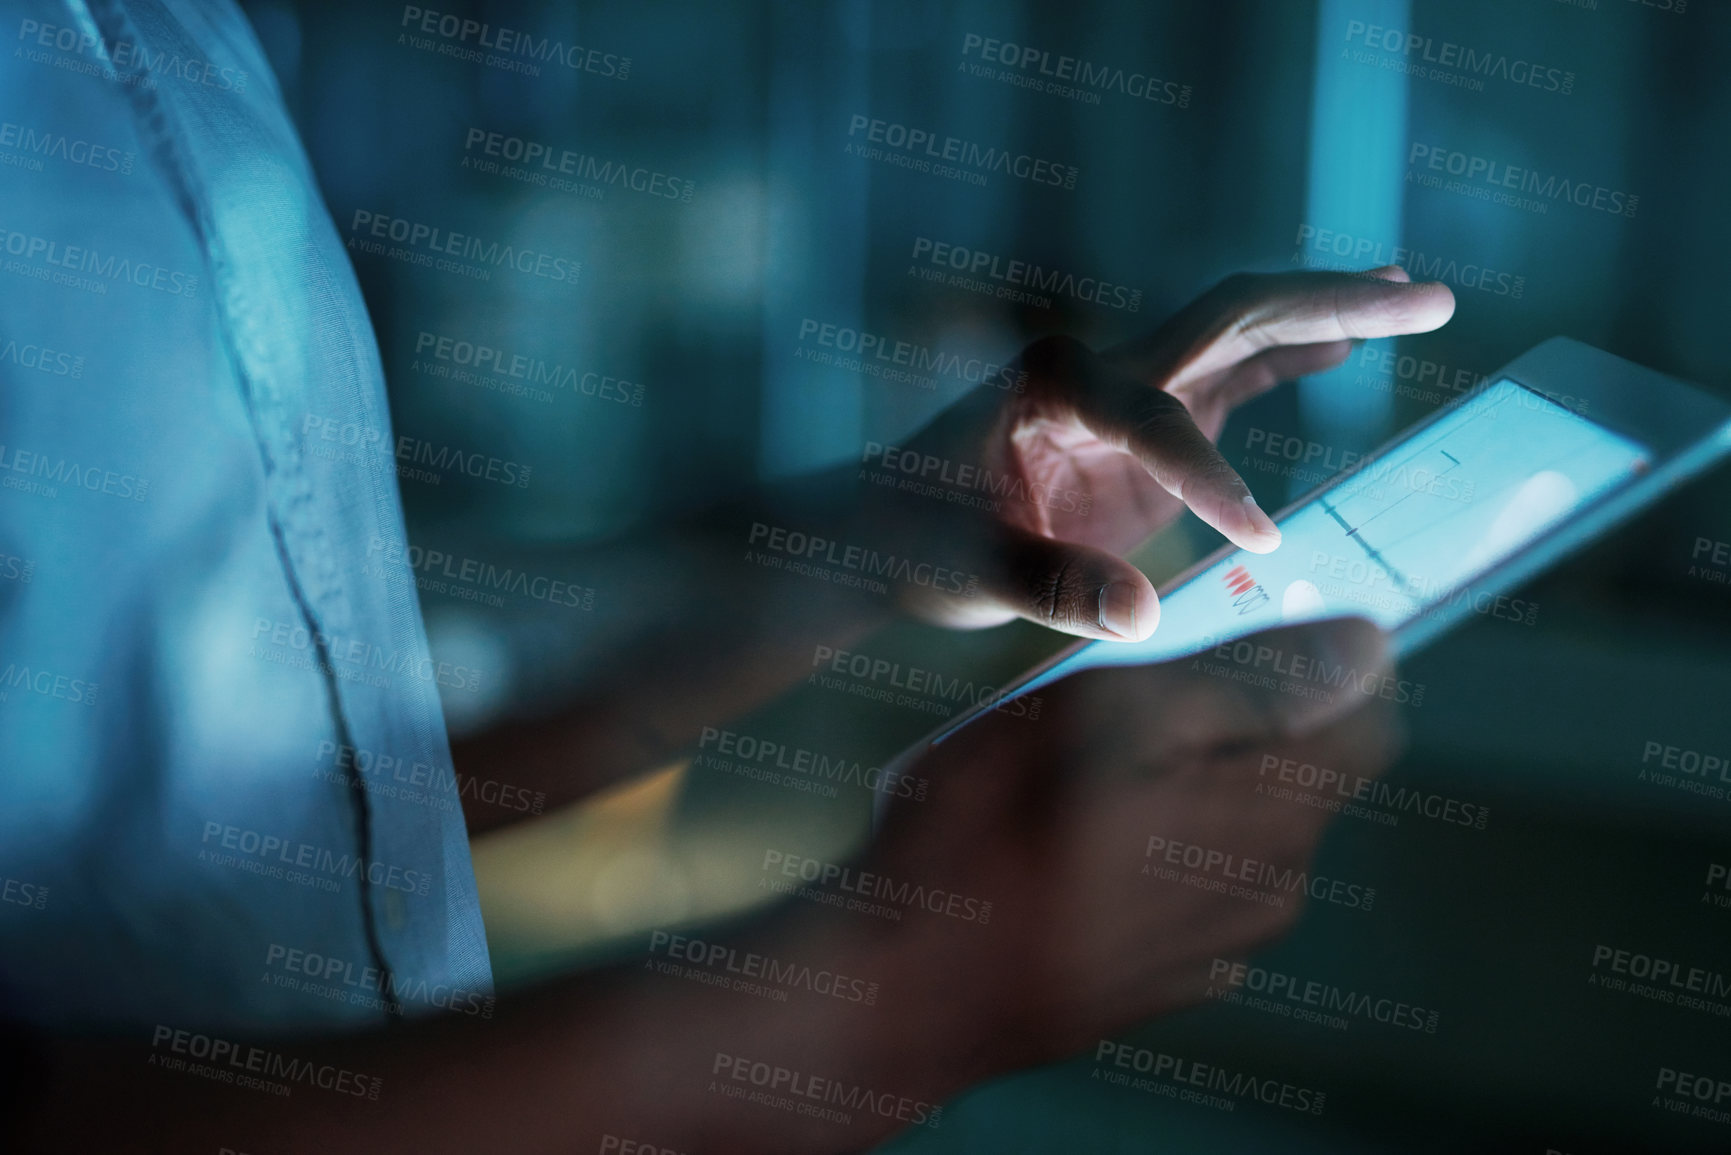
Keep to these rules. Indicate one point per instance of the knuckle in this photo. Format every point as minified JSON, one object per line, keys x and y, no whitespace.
{"x":1389,"y":311}
{"x":1156,"y":413}
{"x":1057,"y":593}
{"x":1214,"y":475}
{"x":1215,"y":472}
{"x":1262,"y":720}
{"x":1345,"y":316}
{"x":1057,"y":355}
{"x":1253,"y":326}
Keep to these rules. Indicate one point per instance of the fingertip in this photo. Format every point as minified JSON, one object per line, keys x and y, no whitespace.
{"x":1426,"y":305}
{"x":1416,"y":307}
{"x":1263,"y":535}
{"x":1437,"y":295}
{"x":1439,"y":304}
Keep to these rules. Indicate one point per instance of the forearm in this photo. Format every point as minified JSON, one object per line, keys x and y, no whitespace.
{"x":704,"y":665}
{"x":699,"y":631}
{"x":632,"y":1053}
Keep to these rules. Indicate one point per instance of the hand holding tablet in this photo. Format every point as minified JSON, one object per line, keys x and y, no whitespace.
{"x":1551,"y":451}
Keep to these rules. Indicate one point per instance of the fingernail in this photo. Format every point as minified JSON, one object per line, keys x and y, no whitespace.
{"x":1260,"y":523}
{"x":1118,"y":610}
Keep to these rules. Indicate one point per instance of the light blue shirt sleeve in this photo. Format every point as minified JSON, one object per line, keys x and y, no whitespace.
{"x":226,"y":794}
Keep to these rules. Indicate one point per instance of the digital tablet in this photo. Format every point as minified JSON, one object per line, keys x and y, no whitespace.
{"x":1447,"y":519}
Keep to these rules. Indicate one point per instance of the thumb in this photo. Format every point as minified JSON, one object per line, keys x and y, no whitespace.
{"x":1070,"y":588}
{"x":1288,"y":681}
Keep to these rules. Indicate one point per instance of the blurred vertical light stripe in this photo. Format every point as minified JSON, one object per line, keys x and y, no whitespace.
{"x":812,"y":417}
{"x":1358,"y":121}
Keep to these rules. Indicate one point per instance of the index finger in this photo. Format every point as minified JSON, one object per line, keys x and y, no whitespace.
{"x":1250,"y":312}
{"x":1153,"y":426}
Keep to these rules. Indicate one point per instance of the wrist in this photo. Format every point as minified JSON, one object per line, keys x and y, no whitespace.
{"x":941,"y":1015}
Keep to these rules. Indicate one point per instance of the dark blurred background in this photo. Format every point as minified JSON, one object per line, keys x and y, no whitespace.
{"x":1278,"y":127}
